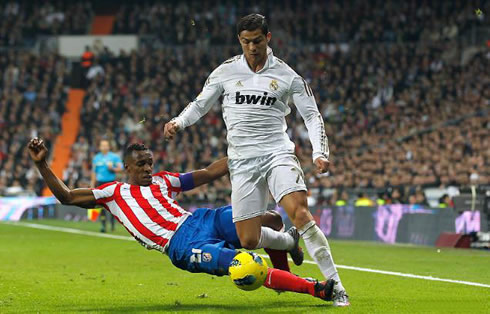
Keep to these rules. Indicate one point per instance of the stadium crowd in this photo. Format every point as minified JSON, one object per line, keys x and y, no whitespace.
{"x":23,"y":20}
{"x":400,"y":115}
{"x":300,"y":22}
{"x":368,"y":106}
{"x":32,"y":101}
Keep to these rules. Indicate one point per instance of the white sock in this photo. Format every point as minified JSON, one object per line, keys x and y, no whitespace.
{"x":317,"y":245}
{"x":272,"y":239}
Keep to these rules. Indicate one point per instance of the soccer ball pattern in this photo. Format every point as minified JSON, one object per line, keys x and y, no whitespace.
{"x":248,"y":271}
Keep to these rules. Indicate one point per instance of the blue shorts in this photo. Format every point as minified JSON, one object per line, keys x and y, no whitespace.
{"x":205,"y":242}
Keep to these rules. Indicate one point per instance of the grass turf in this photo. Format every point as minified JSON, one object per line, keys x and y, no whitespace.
{"x":50,"y":271}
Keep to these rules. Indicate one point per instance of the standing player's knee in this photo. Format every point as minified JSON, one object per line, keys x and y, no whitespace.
{"x":272,"y":220}
{"x":249,"y":242}
{"x":301,"y":215}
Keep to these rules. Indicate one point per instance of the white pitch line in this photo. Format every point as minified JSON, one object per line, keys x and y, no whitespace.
{"x":368,"y":270}
{"x":70,"y":230}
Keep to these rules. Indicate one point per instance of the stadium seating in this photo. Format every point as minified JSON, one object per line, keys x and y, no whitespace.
{"x":32,"y":100}
{"x":22,"y":21}
{"x":401,"y":108}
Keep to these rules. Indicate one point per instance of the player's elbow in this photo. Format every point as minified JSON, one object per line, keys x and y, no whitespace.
{"x":67,"y":199}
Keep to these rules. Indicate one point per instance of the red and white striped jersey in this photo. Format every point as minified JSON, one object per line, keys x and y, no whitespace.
{"x":149,"y":213}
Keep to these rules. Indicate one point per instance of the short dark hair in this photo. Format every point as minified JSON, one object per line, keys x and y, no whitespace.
{"x":134,"y":147}
{"x":252,"y":22}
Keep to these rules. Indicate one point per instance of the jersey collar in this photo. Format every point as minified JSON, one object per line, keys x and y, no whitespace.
{"x":268,"y":62}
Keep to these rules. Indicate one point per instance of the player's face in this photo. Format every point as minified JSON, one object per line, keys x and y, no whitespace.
{"x":140,"y":168}
{"x":254,"y":45}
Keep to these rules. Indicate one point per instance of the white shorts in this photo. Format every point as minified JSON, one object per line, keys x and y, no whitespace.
{"x":252,"y":178}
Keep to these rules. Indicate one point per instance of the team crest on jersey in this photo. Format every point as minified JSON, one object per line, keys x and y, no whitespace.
{"x":207,"y":257}
{"x":273,"y":85}
{"x":239,"y":84}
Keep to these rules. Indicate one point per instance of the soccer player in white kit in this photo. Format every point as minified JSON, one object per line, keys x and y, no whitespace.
{"x":256,"y":88}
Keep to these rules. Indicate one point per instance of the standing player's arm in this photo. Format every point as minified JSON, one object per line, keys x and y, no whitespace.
{"x":305,"y":102}
{"x":196,"y":109}
{"x":79,"y":197}
{"x":212,"y":172}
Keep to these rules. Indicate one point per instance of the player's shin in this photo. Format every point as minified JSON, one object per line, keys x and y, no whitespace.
{"x":285,"y":281}
{"x":279,"y":259}
{"x":273,"y":239}
{"x":317,"y":245}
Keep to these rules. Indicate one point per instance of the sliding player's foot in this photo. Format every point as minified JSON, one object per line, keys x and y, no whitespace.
{"x":340,"y":299}
{"x":324,"y":289}
{"x":296,"y":252}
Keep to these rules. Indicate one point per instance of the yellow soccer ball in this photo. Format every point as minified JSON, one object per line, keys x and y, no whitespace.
{"x":248,"y":271}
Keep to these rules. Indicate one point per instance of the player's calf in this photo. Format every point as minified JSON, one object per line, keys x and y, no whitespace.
{"x":284,"y":281}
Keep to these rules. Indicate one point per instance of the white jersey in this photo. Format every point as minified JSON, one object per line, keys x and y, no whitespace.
{"x":255,"y":105}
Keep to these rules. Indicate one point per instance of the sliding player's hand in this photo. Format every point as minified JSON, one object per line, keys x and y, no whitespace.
{"x":37,"y":149}
{"x":322,"y":164}
{"x":170,"y":129}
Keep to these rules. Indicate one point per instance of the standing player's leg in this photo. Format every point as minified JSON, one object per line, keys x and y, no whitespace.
{"x":113,"y":221}
{"x":295,"y":204}
{"x":286,"y":182}
{"x":103,"y":219}
{"x":225,"y":230}
{"x":249,"y":199}
{"x":279,"y":258}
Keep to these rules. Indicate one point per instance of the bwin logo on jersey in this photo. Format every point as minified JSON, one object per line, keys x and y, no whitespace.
{"x":255,"y":99}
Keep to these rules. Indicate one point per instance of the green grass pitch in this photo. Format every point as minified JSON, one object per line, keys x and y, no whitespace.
{"x":51,"y":271}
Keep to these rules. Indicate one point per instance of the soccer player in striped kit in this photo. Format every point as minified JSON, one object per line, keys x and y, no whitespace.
{"x":256,"y":88}
{"x":202,"y":242}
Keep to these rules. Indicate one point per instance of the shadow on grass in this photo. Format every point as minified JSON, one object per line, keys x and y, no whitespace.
{"x":199,"y":307}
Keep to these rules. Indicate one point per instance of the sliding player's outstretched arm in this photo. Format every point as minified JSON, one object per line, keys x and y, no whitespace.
{"x":196,"y":109}
{"x":212,"y":172}
{"x":79,"y":197}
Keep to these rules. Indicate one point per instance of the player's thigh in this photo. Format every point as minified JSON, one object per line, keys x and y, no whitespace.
{"x":249,"y":192}
{"x":284,"y":175}
{"x":210,"y":258}
{"x":225,"y":228}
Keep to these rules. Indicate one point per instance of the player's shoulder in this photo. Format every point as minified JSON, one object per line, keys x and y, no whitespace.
{"x":282,"y":66}
{"x":227,"y":65}
{"x":223,"y":70}
{"x":108,"y":184}
{"x":166,"y":174}
{"x":231,"y":60}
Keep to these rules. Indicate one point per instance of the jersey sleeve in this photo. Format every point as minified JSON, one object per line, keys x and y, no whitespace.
{"x":104,"y":193}
{"x":176,"y":182}
{"x":210,"y":93}
{"x":305,"y":103}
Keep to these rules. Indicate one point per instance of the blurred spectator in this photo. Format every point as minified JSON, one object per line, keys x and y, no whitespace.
{"x":343,"y":200}
{"x":105,"y":166}
{"x":23,"y":20}
{"x":363,"y":200}
{"x":32,"y":100}
{"x":445,"y":201}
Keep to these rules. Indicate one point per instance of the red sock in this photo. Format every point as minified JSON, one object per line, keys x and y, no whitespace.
{"x":279,"y":259}
{"x":282,"y":280}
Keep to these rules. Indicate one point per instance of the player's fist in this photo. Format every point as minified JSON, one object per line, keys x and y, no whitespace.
{"x":170,"y":129}
{"x":322,"y":164}
{"x":37,"y":150}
